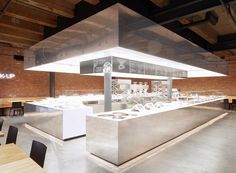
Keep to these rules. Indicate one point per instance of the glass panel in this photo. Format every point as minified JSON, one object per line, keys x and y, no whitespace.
{"x":141,"y":34}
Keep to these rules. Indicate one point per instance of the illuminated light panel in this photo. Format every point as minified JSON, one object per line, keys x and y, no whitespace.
{"x":57,"y":67}
{"x":72,"y":65}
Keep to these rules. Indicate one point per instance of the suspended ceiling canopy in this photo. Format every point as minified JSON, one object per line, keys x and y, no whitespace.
{"x":120,"y":32}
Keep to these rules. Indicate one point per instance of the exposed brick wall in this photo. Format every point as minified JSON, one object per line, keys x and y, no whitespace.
{"x":69,"y":84}
{"x":225,"y":84}
{"x":36,"y":84}
{"x":26,"y":83}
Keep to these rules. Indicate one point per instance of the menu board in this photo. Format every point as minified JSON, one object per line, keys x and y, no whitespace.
{"x":180,"y":73}
{"x":136,"y":67}
{"x":150,"y":69}
{"x":160,"y":71}
{"x":120,"y":65}
{"x":123,"y":65}
{"x":133,"y":66}
{"x":93,"y":66}
{"x":140,"y":68}
{"x":86,"y":67}
{"x":98,"y":64}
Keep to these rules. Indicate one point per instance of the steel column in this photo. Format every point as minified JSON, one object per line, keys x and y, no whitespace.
{"x":107,"y":92}
{"x":169,"y":88}
{"x":52,"y":84}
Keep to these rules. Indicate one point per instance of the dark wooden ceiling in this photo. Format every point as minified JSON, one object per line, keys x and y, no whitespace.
{"x":22,"y":22}
{"x":26,"y":22}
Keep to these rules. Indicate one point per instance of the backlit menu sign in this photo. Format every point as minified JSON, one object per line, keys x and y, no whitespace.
{"x":122,"y":65}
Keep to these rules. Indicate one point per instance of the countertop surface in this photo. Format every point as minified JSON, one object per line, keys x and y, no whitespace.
{"x":59,"y":106}
{"x":126,"y":114}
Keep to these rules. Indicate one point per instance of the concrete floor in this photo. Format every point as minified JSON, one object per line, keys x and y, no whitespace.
{"x":211,"y":150}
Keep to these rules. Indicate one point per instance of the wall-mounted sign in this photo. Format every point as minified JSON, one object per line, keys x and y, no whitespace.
{"x":6,"y":75}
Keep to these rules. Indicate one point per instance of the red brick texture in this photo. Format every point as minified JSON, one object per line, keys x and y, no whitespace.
{"x":69,"y":84}
{"x":36,"y":84}
{"x":225,"y":84}
{"x":25,"y":84}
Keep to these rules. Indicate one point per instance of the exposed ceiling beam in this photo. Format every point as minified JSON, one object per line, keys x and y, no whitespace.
{"x":31,"y":15}
{"x":223,"y":54}
{"x":206,"y":31}
{"x":222,"y":46}
{"x":227,"y":38}
{"x":229,"y":12}
{"x":195,"y":6}
{"x":85,"y":9}
{"x":58,"y":7}
{"x":160,"y":3}
{"x":19,"y":42}
{"x":188,"y":34}
{"x":93,"y":2}
{"x":73,"y":1}
{"x":185,"y":10}
{"x":21,"y":25}
{"x":20,"y":34}
{"x":4,"y":7}
{"x":169,"y":16}
{"x":82,"y":11}
{"x":225,"y":42}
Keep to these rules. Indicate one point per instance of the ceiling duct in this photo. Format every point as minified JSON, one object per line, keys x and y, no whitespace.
{"x":120,"y":32}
